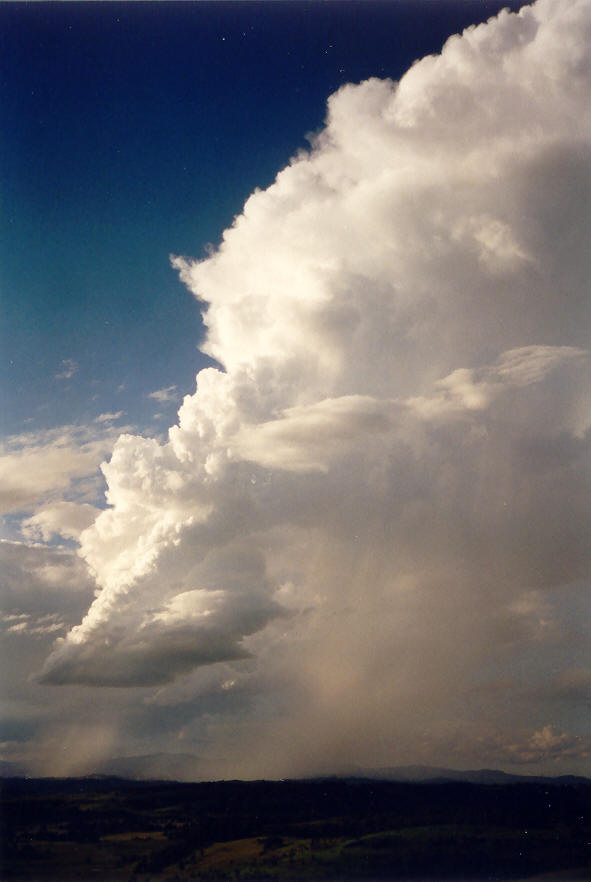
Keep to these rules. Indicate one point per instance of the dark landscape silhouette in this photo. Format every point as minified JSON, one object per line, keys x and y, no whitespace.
{"x":109,"y":828}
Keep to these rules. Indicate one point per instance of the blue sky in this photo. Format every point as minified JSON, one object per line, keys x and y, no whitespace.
{"x":135,"y":131}
{"x":362,"y":538}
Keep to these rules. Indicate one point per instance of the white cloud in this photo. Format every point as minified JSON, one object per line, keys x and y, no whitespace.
{"x":370,"y":505}
{"x":61,"y":518}
{"x":167,"y":394}
{"x":37,"y":466}
{"x":108,"y":417}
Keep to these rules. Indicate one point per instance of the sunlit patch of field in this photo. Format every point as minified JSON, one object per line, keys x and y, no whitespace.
{"x":279,"y":857}
{"x":239,"y":851}
{"x":134,"y":836}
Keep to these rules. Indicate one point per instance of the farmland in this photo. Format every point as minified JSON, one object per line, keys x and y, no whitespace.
{"x":111,"y":829}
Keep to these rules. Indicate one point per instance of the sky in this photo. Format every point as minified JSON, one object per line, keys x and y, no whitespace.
{"x":296,"y":408}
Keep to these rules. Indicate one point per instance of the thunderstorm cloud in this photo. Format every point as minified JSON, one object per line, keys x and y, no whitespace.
{"x":376,"y":510}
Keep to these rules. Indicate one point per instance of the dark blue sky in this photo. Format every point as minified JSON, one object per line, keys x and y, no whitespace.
{"x":133,"y":130}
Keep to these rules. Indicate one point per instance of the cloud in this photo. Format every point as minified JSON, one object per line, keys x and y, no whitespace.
{"x":35,"y":466}
{"x":41,"y":584}
{"x":61,"y":518}
{"x":371,"y":505}
{"x":548,"y":744}
{"x":22,"y":623}
{"x":174,"y":632}
{"x":168,"y":394}
{"x":466,"y":390}
{"x":108,"y":417}
{"x":70,"y":368}
{"x":306,"y":438}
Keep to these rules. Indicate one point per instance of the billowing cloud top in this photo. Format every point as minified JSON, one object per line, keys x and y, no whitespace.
{"x":374,"y":492}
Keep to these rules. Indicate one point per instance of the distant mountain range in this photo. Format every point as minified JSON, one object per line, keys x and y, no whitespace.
{"x":473,"y":776}
{"x":187,"y":767}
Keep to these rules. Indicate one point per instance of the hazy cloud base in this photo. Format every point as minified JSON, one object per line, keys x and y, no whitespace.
{"x":368,"y":535}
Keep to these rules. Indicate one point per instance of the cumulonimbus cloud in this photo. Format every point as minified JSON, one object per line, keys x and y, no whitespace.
{"x":396,"y":446}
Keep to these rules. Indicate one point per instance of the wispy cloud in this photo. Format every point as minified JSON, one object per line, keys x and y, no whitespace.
{"x":168,"y":394}
{"x":25,"y":624}
{"x":109,"y":417}
{"x":69,"y":368}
